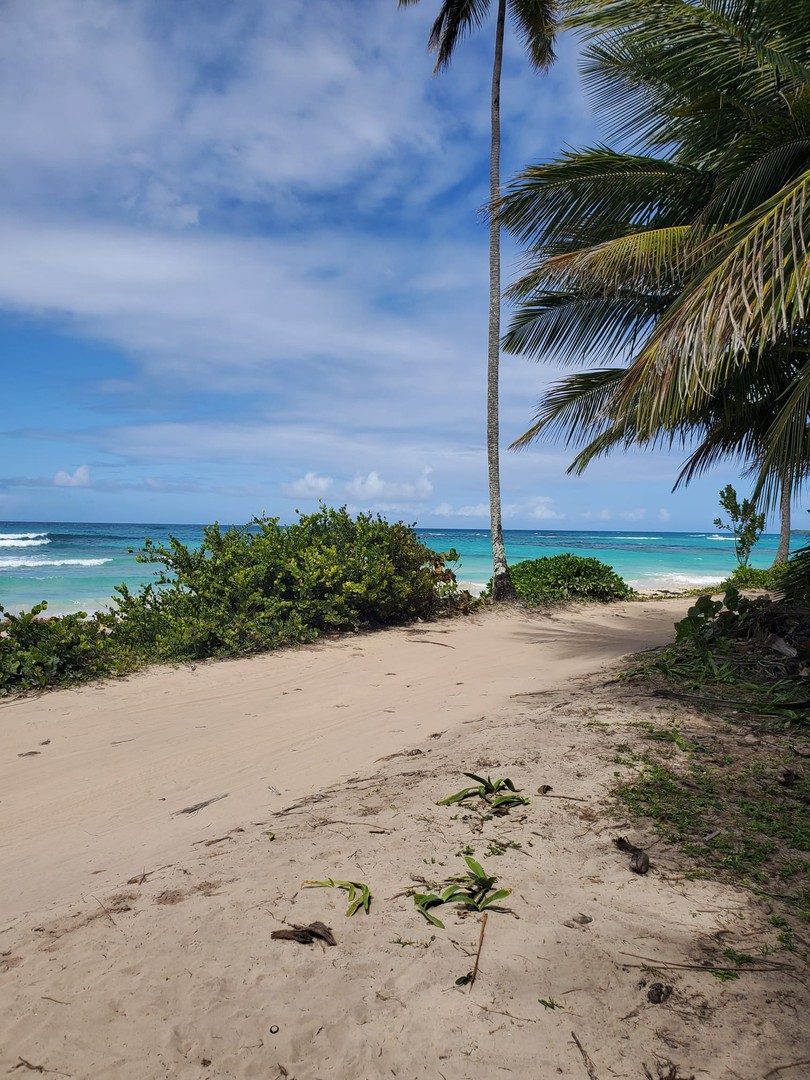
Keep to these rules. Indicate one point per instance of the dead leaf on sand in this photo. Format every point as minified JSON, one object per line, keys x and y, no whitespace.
{"x":305,"y":935}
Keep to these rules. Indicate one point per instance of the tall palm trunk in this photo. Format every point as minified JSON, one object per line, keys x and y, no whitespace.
{"x":783,"y":550}
{"x":502,"y":587}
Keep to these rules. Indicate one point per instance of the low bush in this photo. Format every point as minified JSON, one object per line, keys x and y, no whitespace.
{"x":567,"y":577}
{"x":750,"y":577}
{"x":264,"y":585}
{"x":36,"y":652}
{"x":243,"y":590}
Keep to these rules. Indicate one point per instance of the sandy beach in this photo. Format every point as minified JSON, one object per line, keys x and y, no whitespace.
{"x":135,"y":922}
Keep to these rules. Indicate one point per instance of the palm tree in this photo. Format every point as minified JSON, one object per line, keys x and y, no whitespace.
{"x":535,"y":22}
{"x":734,"y":424}
{"x":690,"y":261}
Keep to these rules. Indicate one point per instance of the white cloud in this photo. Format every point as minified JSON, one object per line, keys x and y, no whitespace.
{"x":479,"y":510}
{"x":535,"y":508}
{"x":263,"y":220}
{"x":604,"y":514}
{"x":664,"y":515}
{"x":539,"y":508}
{"x":309,"y":486}
{"x":372,"y":487}
{"x":79,"y":478}
{"x":234,"y":99}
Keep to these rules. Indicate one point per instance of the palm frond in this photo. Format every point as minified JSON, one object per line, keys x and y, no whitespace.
{"x":796,"y":584}
{"x":755,"y":290}
{"x":456,"y":19}
{"x":770,"y":171}
{"x":648,"y":60}
{"x":535,"y":24}
{"x":576,"y":328}
{"x":637,"y":260}
{"x":584,"y":196}
{"x":572,"y":407}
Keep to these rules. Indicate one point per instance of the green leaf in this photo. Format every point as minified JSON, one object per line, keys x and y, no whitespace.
{"x":501,"y":894}
{"x":460,"y":796}
{"x":476,"y":867}
{"x":351,"y":888}
{"x":483,"y":781}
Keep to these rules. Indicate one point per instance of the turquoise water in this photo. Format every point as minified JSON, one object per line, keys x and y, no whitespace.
{"x":75,"y":567}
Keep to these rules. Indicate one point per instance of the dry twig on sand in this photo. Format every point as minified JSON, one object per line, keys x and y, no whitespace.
{"x":589,"y":1065}
{"x":200,"y":805}
{"x":478,"y":954}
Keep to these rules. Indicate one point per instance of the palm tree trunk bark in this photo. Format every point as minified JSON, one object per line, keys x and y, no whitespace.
{"x":783,"y":551}
{"x":502,"y":587}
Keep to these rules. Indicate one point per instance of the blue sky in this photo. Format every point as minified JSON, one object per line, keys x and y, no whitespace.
{"x":245,"y":268}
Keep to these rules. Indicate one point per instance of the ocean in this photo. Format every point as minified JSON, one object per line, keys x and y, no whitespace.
{"x":75,"y":566}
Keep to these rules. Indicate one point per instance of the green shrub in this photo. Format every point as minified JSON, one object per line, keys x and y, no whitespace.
{"x":567,"y":577}
{"x":749,"y":577}
{"x":37,"y":652}
{"x":245,"y":590}
{"x":265,"y":585}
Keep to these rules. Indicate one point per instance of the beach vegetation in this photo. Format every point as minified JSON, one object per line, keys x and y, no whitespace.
{"x":242,"y":590}
{"x":770,"y":579}
{"x":37,"y":652}
{"x":473,"y":891}
{"x":729,"y":813}
{"x":740,"y":653}
{"x":265,"y":585}
{"x":557,"y":578}
{"x":501,"y":794}
{"x":535,"y":24}
{"x":500,"y":847}
{"x":413,"y":943}
{"x":745,"y":524}
{"x":358,"y":892}
{"x":732,"y":794}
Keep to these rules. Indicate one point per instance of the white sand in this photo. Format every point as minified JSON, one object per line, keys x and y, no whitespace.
{"x":135,"y":940}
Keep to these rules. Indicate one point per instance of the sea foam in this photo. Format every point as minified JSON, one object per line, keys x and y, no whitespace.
{"x":676,"y":581}
{"x":20,"y":542}
{"x":10,"y":563}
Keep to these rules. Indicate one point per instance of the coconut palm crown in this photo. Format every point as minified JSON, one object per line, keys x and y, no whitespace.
{"x":682,"y":254}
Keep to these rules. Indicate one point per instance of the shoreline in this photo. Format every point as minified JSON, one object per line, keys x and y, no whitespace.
{"x":76,"y":567}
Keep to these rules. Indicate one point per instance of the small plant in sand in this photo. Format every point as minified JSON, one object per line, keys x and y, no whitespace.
{"x":500,"y":794}
{"x":359,"y":893}
{"x":473,"y":891}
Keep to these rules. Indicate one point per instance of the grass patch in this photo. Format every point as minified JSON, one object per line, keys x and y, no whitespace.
{"x":728,"y":811}
{"x":734,"y":802}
